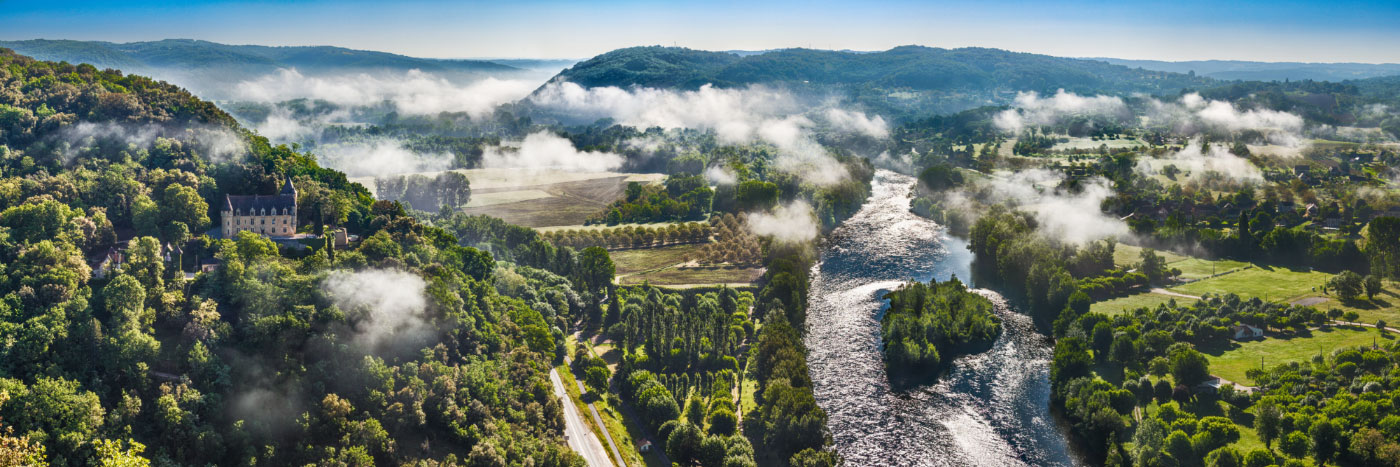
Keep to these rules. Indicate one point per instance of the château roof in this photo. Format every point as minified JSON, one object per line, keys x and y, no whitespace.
{"x":286,"y":199}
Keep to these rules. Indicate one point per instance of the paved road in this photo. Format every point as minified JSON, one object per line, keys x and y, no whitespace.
{"x":599,"y":420}
{"x":581,"y":439}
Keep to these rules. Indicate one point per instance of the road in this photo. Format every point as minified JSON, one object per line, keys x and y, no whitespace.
{"x":593,"y":408}
{"x":1161,"y":291}
{"x":581,"y":439}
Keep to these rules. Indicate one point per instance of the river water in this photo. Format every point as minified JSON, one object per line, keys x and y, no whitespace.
{"x":989,"y":409}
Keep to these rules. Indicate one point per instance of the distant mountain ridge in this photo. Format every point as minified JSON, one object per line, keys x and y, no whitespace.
{"x":210,"y":68}
{"x":900,"y":82}
{"x":1266,"y":71}
{"x":913,"y":67}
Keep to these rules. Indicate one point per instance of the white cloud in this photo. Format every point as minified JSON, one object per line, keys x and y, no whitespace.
{"x":413,"y":92}
{"x":721,"y":175}
{"x":1069,"y":216}
{"x":384,"y":305}
{"x":858,"y":123}
{"x":1217,"y":160}
{"x":794,"y":222}
{"x":378,"y":158}
{"x":1031,"y":109}
{"x":736,"y":116}
{"x":1193,"y":115}
{"x":544,"y":150}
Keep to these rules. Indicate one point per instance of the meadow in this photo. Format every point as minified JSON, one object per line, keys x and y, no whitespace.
{"x":1233,"y":361}
{"x":1268,"y":283}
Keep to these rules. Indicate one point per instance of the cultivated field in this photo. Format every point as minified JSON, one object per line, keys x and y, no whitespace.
{"x":702,"y":276}
{"x":540,"y":198}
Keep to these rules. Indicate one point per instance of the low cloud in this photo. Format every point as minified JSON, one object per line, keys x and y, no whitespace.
{"x":1194,"y":115}
{"x":794,"y":222}
{"x":857,"y":123}
{"x":281,"y":127}
{"x":214,"y":143}
{"x":736,"y":116}
{"x":798,"y":153}
{"x":544,"y":150}
{"x":386,"y":307}
{"x":1217,"y":160}
{"x":379,"y":157}
{"x":412,"y":92}
{"x":1071,"y":216}
{"x":1030,"y":109}
{"x":721,"y":175}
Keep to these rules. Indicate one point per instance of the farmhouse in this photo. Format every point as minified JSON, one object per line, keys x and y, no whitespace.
{"x":1245,"y":331}
{"x":269,"y":216}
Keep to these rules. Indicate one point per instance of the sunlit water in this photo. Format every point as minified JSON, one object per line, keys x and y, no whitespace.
{"x":989,"y":409}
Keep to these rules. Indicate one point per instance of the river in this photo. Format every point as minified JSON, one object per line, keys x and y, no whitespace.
{"x":989,"y":409}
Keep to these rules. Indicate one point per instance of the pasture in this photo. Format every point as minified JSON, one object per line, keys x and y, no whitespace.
{"x":1132,"y":302}
{"x":1234,"y":360}
{"x":1266,"y":282}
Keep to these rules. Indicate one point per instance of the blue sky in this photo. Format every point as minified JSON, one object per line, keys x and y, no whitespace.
{"x":1336,"y":31}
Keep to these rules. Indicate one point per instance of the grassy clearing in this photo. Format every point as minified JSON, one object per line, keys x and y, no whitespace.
{"x":1385,"y":306}
{"x":1129,"y":255}
{"x":1196,"y":268}
{"x":646,"y":259}
{"x":677,"y":276}
{"x":1125,"y":256}
{"x":1269,"y":283}
{"x":1133,"y":302}
{"x":1232,"y":361}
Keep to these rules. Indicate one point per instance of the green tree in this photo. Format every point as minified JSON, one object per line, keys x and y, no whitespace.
{"x":1189,"y":367}
{"x":1323,"y":436}
{"x":1294,"y":444}
{"x":1347,"y":284}
{"x":183,"y":204}
{"x":1372,"y":284}
{"x":1267,"y":417}
{"x":1383,"y":246}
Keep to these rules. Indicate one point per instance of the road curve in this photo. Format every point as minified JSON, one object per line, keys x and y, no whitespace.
{"x":581,"y":439}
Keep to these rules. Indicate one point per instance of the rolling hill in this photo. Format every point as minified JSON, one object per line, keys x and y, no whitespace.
{"x":897,"y":81}
{"x":1266,"y":71}
{"x":210,"y":68}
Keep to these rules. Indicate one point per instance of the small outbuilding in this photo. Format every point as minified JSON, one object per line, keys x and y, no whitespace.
{"x":1245,"y":332}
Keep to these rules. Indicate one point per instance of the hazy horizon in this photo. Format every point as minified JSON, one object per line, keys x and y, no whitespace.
{"x":1350,"y":32}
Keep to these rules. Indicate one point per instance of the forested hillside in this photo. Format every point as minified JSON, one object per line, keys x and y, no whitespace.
{"x":397,"y":349}
{"x":214,"y":69}
{"x":965,"y":78}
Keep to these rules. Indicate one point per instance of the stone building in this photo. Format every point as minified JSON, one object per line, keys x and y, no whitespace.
{"x":267,"y":215}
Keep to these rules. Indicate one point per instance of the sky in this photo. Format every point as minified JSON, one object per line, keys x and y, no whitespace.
{"x":1262,"y":30}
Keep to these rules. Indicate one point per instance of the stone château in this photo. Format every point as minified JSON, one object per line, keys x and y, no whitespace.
{"x":267,"y":215}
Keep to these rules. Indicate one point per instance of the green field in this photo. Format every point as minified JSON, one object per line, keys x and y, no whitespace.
{"x":1385,"y":306}
{"x":1269,"y":283}
{"x":678,"y":276}
{"x":646,"y":259}
{"x":1233,"y":361}
{"x":1196,"y":268}
{"x":1191,"y":267}
{"x":1133,"y":302}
